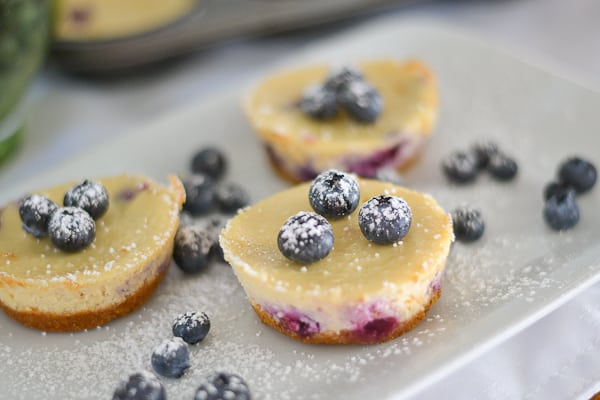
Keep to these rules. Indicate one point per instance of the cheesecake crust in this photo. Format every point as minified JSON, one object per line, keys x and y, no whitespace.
{"x":87,"y":319}
{"x":346,"y":336}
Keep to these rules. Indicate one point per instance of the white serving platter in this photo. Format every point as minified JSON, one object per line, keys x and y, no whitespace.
{"x":517,"y":273}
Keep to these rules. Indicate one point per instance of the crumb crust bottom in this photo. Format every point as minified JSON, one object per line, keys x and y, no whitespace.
{"x":88,"y":319}
{"x":346,"y":336}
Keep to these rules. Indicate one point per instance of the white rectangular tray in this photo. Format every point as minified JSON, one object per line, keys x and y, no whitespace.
{"x":518,"y":272}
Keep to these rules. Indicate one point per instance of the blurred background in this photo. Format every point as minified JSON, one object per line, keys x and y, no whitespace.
{"x":77,"y":73}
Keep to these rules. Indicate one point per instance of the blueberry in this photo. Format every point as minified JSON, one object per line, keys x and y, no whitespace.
{"x":578,"y":173}
{"x":192,"y":327}
{"x":171,"y":358}
{"x":213,"y":227}
{"x":334,"y":194}
{"x":341,"y":76}
{"x":554,"y":188}
{"x":460,"y":167}
{"x":199,"y":194}
{"x":502,"y":167}
{"x":89,"y":196}
{"x":319,"y":103}
{"x":305,"y":237}
{"x":192,"y":248}
{"x":142,"y":385}
{"x":71,"y":229}
{"x":561,"y":211}
{"x":468,"y":224}
{"x":231,"y":197}
{"x":223,"y":386}
{"x":384,"y":219}
{"x":482,"y":151}
{"x":35,"y":211}
{"x":362,"y":101}
{"x":210,"y":162}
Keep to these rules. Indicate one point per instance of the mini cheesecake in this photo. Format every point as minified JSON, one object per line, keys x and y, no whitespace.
{"x":46,"y":288}
{"x":300,"y":147}
{"x":361,"y":292}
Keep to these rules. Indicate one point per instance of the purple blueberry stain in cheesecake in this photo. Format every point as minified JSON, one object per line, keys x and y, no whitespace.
{"x":294,"y":321}
{"x":129,"y":193}
{"x":372,"y":321}
{"x":375,"y":330}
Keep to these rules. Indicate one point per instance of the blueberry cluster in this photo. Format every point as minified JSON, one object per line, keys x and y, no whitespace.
{"x":70,"y":228}
{"x":204,"y":190}
{"x":171,"y":358}
{"x":197,"y":240}
{"x":464,"y":166}
{"x":344,"y":87}
{"x":575,"y":176}
{"x":308,"y":237}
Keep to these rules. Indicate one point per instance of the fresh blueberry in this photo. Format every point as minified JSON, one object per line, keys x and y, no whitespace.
{"x":460,"y":167}
{"x":319,"y":102}
{"x":213,"y":227}
{"x":334,"y":194}
{"x":89,"y":196}
{"x":71,"y":229}
{"x":561,"y":211}
{"x":468,"y":224}
{"x":305,"y":237}
{"x":362,"y":101}
{"x":231,"y":197}
{"x":142,"y":385}
{"x":210,"y":162}
{"x":482,"y":152}
{"x":192,"y":248}
{"x":555,"y":188}
{"x":384,"y":219}
{"x":199,"y":194}
{"x":578,"y":173}
{"x":502,"y":167}
{"x":192,"y":327}
{"x":171,"y":358}
{"x":35,"y":211}
{"x":341,"y":76}
{"x":223,"y":386}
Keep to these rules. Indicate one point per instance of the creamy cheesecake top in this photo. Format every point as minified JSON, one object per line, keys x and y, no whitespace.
{"x":141,"y":217}
{"x":408,"y":91}
{"x":355,"y":265}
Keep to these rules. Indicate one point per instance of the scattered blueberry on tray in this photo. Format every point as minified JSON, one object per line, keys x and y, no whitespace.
{"x":561,"y":211}
{"x":575,"y":177}
{"x":209,"y":161}
{"x":141,"y":385}
{"x":464,"y":166}
{"x":460,"y":167}
{"x":231,"y":197}
{"x":468,"y":224}
{"x":223,"y":385}
{"x":199,"y":194}
{"x":171,"y":358}
{"x":192,"y":248}
{"x":578,"y":173}
{"x":192,"y":327}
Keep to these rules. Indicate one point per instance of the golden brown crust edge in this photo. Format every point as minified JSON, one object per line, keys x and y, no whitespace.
{"x":345,"y":336}
{"x":55,"y":322}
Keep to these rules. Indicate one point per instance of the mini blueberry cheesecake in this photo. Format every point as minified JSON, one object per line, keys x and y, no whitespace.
{"x":357,"y":119}
{"x":78,"y":255}
{"x":345,"y":264}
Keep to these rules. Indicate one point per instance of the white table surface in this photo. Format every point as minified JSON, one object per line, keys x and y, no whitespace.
{"x":556,"y":358}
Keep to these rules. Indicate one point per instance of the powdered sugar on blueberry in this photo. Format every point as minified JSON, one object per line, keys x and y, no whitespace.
{"x":305,"y":237}
{"x":385,"y":219}
{"x":334,"y":194}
